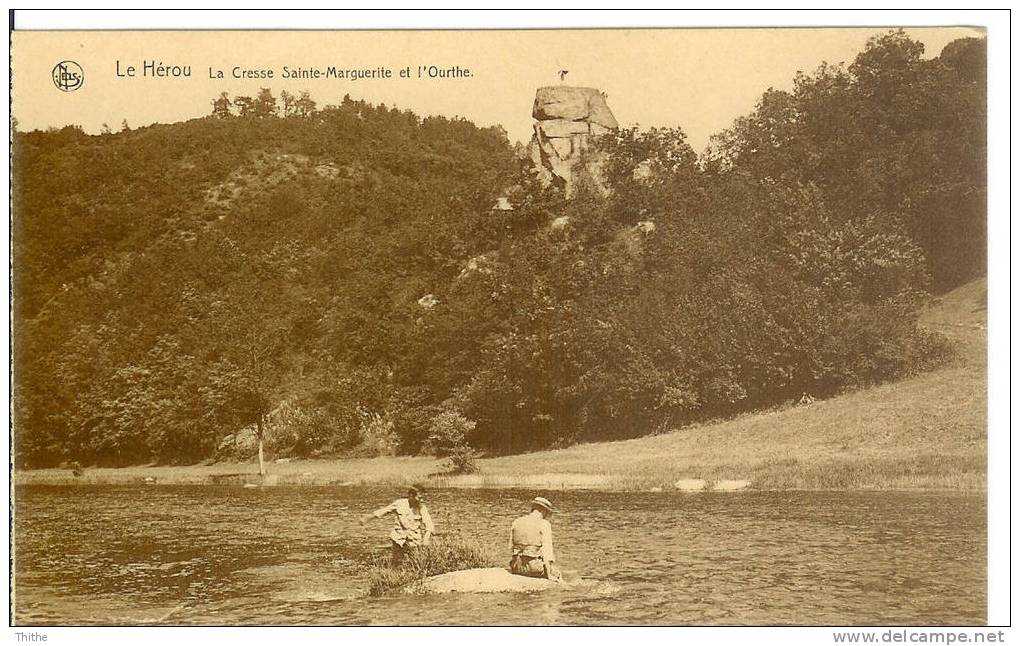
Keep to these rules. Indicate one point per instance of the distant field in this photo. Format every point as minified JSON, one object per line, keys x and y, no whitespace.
{"x":925,"y":432}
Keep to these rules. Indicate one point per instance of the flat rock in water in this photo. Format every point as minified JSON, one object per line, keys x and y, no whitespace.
{"x":485,"y":579}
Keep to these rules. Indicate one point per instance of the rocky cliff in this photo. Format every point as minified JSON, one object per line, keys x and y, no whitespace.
{"x":566,"y":118}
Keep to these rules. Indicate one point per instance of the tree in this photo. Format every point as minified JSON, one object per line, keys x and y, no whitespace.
{"x":264,"y":105}
{"x":246,"y":373}
{"x":892,"y":134}
{"x":245,"y":106}
{"x":304,"y":106}
{"x":287,"y":102}
{"x":221,"y":106}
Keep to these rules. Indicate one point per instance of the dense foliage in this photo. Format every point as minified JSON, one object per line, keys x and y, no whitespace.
{"x":340,"y":278}
{"x":891,"y":137}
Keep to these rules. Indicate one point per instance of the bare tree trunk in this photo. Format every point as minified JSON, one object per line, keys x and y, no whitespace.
{"x":262,"y":464}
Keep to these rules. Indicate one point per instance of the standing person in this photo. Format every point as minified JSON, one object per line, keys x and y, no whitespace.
{"x":531,"y":546}
{"x":413,"y":524}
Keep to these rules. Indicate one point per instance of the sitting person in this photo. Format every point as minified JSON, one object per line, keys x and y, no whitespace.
{"x":531,"y":545}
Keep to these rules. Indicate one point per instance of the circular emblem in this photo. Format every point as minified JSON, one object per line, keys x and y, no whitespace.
{"x":68,"y":76}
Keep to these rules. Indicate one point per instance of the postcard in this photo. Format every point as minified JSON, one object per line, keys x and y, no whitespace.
{"x":540,"y":327}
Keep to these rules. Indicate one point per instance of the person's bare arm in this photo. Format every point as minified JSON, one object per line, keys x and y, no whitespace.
{"x":430,"y":528}
{"x":379,"y":513}
{"x":548,"y":555}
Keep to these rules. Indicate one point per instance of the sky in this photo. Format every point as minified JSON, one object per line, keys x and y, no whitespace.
{"x":697,"y":79}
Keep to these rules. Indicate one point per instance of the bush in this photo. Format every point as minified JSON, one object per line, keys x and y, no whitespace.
{"x":448,"y":438}
{"x":462,"y":460}
{"x":445,"y":555}
{"x":448,"y":432}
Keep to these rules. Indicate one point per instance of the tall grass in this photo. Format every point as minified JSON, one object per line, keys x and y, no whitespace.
{"x":446,"y":554}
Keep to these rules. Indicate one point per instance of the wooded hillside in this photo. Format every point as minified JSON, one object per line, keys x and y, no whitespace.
{"x":340,"y":276}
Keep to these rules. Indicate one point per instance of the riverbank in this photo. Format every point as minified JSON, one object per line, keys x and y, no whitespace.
{"x":927,"y":432}
{"x":923,"y":433}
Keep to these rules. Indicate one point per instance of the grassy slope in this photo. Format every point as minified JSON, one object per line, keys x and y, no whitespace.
{"x":928,"y":431}
{"x":925,"y":432}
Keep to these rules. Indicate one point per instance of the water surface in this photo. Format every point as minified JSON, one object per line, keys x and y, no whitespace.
{"x":297,"y":556}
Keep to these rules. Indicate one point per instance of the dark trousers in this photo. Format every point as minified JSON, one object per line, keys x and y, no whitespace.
{"x":398,"y":552}
{"x":527,"y":565}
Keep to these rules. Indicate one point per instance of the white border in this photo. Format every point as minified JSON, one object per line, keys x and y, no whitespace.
{"x":999,"y":392}
{"x":469,"y":18}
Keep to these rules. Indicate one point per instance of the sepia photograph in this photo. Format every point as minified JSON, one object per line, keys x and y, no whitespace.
{"x":501,"y":327}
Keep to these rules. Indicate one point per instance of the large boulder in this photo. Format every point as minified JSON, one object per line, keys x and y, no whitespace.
{"x":240,"y":446}
{"x":484,"y":579}
{"x":564,"y":147}
{"x":567,"y":117}
{"x":562,"y":128}
{"x":572,"y":104}
{"x":600,"y":115}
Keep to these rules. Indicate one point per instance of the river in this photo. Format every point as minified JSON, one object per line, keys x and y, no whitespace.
{"x":206,"y":555}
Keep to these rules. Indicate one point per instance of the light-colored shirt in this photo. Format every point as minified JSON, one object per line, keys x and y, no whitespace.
{"x":531,"y":535}
{"x":412,"y":526}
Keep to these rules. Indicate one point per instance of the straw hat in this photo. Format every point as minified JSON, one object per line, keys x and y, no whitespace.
{"x":542,"y":503}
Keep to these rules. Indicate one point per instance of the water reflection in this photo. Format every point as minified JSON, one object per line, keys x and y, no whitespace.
{"x":220,"y":555}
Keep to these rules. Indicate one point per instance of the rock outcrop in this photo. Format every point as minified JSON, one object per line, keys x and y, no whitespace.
{"x":566,"y":119}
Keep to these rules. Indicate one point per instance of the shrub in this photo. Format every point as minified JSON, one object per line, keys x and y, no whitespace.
{"x":444,"y":555}
{"x":462,"y":460}
{"x":447,"y":432}
{"x":448,"y":438}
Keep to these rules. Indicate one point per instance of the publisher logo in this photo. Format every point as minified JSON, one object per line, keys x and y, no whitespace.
{"x":68,"y":76}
